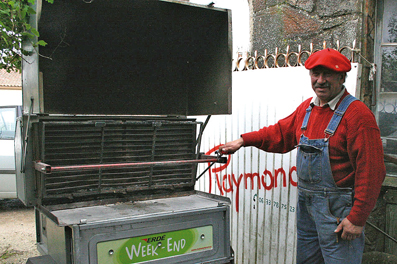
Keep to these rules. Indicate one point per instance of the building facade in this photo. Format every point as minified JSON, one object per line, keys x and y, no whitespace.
{"x":369,"y":27}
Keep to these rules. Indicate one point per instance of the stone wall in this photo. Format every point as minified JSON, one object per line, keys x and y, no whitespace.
{"x":277,"y":23}
{"x":282,"y":23}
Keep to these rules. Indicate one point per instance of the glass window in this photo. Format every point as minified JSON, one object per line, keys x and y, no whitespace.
{"x":389,"y":32}
{"x":389,"y":69}
{"x":7,"y":122}
{"x":386,"y":79}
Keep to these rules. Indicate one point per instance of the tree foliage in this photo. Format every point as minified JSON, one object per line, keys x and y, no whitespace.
{"x":14,"y":28}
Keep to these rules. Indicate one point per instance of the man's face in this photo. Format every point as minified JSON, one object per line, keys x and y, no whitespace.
{"x":326,"y":83}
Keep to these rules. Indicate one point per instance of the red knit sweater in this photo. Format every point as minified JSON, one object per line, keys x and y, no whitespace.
{"x":356,"y":152}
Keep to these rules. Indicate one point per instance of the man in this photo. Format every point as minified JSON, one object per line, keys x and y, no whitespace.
{"x":339,"y":163}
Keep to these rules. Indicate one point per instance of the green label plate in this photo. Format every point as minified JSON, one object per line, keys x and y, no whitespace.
{"x":155,"y":246}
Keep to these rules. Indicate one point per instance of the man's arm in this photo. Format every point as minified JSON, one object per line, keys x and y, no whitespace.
{"x":365,"y":152}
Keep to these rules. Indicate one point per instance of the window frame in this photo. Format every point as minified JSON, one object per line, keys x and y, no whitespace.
{"x":379,"y":45}
{"x":18,"y":110}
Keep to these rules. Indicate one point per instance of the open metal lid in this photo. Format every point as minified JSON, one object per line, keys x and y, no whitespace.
{"x":135,"y":57}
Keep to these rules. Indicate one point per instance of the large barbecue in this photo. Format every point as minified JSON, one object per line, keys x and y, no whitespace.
{"x":107,"y":150}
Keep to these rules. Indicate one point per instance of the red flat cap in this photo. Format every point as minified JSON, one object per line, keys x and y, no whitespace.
{"x":329,"y":58}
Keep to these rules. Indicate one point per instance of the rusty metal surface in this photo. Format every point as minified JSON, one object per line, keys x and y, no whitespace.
{"x":134,"y":210}
{"x":163,"y":149}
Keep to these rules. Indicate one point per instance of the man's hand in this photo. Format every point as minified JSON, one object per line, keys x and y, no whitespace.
{"x":232,"y":146}
{"x":350,"y":231}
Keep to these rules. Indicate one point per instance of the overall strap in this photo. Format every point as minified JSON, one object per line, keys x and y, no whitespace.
{"x":338,"y":114}
{"x":306,"y":119}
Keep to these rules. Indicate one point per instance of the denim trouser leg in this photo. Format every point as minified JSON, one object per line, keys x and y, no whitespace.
{"x":308,"y":245}
{"x":317,"y":242}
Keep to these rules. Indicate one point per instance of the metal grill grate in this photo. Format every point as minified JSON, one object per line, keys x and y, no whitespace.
{"x":94,"y":142}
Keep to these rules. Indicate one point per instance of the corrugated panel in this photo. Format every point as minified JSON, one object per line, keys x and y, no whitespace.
{"x":261,"y":186}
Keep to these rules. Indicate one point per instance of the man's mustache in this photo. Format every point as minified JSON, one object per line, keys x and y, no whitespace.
{"x":321,"y":86}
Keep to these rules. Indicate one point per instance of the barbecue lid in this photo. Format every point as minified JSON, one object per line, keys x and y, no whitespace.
{"x":136,"y":57}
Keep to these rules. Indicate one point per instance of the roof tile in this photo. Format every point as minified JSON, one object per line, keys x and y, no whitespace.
{"x":12,"y":79}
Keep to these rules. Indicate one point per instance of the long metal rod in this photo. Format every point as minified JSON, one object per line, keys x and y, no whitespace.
{"x":26,"y":138}
{"x":202,"y":127}
{"x":383,"y":232}
{"x":390,"y":158}
{"x":205,"y":171}
{"x":47,"y":169}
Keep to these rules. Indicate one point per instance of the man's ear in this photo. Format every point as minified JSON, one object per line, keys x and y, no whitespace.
{"x":343,"y":76}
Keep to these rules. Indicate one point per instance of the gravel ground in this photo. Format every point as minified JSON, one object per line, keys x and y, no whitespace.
{"x":17,"y":232}
{"x":18,"y":236}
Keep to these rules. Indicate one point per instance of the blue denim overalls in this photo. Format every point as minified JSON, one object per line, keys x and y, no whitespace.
{"x":321,"y":204}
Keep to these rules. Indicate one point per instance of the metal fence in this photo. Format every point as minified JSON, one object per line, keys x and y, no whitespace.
{"x":289,"y":58}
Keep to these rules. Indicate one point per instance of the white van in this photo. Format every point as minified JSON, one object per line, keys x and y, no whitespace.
{"x":10,"y":109}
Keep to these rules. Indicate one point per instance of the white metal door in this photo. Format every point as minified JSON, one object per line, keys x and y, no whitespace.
{"x":261,"y":186}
